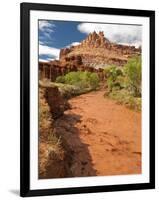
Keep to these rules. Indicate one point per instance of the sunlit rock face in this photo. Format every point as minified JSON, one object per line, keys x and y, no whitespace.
{"x":92,"y":54}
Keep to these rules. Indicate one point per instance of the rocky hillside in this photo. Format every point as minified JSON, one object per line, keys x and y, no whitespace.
{"x":92,"y":54}
{"x":97,"y":51}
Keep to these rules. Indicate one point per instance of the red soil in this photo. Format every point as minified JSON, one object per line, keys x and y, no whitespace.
{"x":105,"y":137}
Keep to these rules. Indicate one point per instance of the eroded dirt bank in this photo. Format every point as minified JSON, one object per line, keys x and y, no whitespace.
{"x":104,"y":138}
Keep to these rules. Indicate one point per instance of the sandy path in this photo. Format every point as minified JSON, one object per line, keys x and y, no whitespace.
{"x":105,"y":138}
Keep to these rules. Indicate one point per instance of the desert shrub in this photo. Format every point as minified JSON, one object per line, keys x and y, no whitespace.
{"x":124,"y":85}
{"x":80,"y":79}
{"x":113,"y":75}
{"x":135,"y":103}
{"x":94,"y":80}
{"x":107,"y":70}
{"x":60,"y":79}
{"x":67,"y":91}
{"x":112,"y":71}
{"x":123,"y":97}
{"x":133,"y":76}
{"x":73,"y":78}
{"x":54,"y":140}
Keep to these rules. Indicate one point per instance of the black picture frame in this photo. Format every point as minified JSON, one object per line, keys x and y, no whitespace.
{"x":25,"y":9}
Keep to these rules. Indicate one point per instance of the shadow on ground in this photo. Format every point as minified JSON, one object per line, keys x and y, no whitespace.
{"x":80,"y":164}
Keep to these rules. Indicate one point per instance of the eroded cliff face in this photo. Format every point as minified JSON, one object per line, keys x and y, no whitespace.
{"x":92,"y":54}
{"x":55,"y":101}
{"x":54,"y":153}
{"x":97,"y":51}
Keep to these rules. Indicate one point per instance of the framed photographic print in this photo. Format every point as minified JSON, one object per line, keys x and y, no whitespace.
{"x":87,"y":99}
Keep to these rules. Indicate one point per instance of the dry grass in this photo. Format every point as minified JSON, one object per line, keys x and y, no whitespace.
{"x":50,"y":148}
{"x":124,"y":98}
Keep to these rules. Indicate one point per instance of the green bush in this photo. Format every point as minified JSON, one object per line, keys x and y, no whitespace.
{"x":60,"y":79}
{"x":107,"y":70}
{"x":67,"y":91}
{"x":94,"y":80}
{"x":133,"y":76}
{"x":124,"y":84}
{"x":124,"y":97}
{"x":80,"y":79}
{"x":113,"y":75}
{"x":72,"y":78}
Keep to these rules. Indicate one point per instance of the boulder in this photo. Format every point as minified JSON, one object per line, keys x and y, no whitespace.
{"x":55,"y":101}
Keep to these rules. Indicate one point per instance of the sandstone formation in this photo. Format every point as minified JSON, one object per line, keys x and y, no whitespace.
{"x":97,"y":51}
{"x":72,"y":63}
{"x":92,"y":54}
{"x":63,"y":52}
{"x":56,"y":103}
{"x":52,"y":97}
{"x":95,"y":40}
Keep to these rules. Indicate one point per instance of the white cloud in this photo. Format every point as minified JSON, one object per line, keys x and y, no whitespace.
{"x":46,"y":27}
{"x":136,"y":44}
{"x":128,"y":34}
{"x":50,"y":59}
{"x":73,"y":44}
{"x":43,"y":60}
{"x":50,"y":51}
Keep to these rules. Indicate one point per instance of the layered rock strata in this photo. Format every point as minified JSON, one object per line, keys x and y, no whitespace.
{"x":92,"y":54}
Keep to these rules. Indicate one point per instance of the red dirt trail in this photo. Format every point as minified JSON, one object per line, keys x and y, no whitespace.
{"x":105,"y":137}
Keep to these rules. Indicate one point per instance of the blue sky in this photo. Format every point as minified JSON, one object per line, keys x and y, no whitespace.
{"x":54,"y":35}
